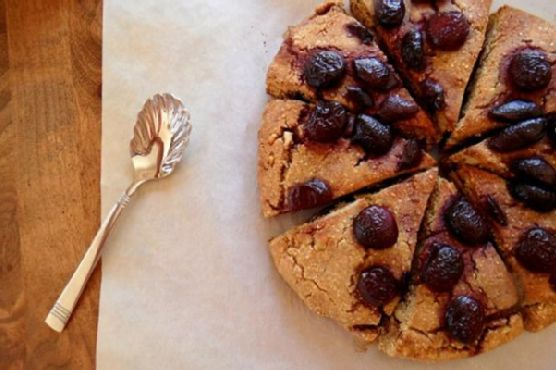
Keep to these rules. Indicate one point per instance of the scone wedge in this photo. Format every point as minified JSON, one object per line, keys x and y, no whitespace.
{"x":297,"y":172}
{"x":331,"y":56}
{"x":538,"y":156}
{"x":462,"y":300}
{"x":350,"y":265}
{"x":526,"y":237}
{"x":516,"y":77}
{"x":434,"y":45}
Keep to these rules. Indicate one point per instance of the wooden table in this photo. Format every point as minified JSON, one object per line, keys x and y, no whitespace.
{"x":50,"y":94}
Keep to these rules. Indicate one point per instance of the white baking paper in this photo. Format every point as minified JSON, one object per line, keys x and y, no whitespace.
{"x":187,"y":281}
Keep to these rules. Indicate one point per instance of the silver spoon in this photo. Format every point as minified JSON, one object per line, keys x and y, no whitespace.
{"x":161,"y":134}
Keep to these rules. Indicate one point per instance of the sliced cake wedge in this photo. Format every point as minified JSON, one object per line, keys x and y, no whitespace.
{"x":350,"y":265}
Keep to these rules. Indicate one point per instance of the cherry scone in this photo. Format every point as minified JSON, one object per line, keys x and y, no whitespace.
{"x":436,"y":233}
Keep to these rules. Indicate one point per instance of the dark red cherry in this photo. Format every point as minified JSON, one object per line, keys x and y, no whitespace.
{"x":465,"y":319}
{"x":359,"y":97}
{"x":389,"y":13}
{"x":443,"y":268}
{"x":324,"y":68}
{"x":515,"y":111}
{"x":375,"y":137}
{"x":530,"y":69}
{"x":377,"y":286}
{"x":466,"y":223}
{"x":308,"y":195}
{"x":447,"y":30}
{"x":395,"y":108}
{"x":375,"y":73}
{"x":411,"y":155}
{"x":326,"y":122}
{"x":518,"y":136}
{"x":361,"y":32}
{"x":533,"y":196}
{"x":432,"y":94}
{"x":535,"y":169}
{"x":536,"y":250}
{"x":375,"y":227}
{"x":413,"y":49}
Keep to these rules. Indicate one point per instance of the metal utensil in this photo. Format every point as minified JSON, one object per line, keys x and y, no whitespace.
{"x":161,"y":134}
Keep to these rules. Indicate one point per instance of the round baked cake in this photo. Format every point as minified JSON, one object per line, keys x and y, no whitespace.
{"x":425,"y":131}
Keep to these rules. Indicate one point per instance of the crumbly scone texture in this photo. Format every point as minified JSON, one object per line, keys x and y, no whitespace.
{"x":451,"y":69}
{"x":405,"y":341}
{"x":321,"y":260}
{"x":416,"y":331}
{"x":539,"y":300}
{"x":509,"y":29}
{"x":283,"y":162}
{"x":328,"y":29}
{"x":482,"y":156}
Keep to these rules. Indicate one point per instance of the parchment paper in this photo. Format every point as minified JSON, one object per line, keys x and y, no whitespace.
{"x":187,"y":280}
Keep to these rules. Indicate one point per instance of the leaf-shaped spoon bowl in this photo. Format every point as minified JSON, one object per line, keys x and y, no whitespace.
{"x":161,"y":134}
{"x":163,"y":123}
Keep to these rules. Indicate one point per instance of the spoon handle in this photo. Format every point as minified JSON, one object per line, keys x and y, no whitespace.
{"x":63,"y":308}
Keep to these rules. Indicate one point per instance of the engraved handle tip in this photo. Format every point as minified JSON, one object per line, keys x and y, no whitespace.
{"x":58,"y":317}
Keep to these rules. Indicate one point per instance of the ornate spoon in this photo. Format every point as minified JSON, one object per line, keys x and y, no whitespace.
{"x":161,"y":134}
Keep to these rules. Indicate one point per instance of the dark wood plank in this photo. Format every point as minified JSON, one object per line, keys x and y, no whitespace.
{"x":53,"y":109}
{"x":11,"y":283}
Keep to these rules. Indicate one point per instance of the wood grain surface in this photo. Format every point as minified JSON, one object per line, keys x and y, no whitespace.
{"x":50,"y":83}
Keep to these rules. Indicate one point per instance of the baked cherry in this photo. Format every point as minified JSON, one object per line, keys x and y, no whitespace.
{"x":443,"y":268}
{"x":432,"y":94}
{"x":533,"y":196}
{"x":395,"y":108}
{"x":308,"y":195}
{"x":324,"y":68}
{"x":390,"y":13}
{"x":515,"y":110}
{"x":518,"y":136}
{"x":361,"y":32}
{"x":413,"y":50}
{"x":530,"y":69}
{"x":447,"y":30}
{"x":326,"y":122}
{"x":375,"y":227}
{"x":377,"y":286}
{"x":411,"y":155}
{"x":360,"y":97}
{"x":375,"y":138}
{"x":465,"y":319}
{"x":466,"y":223}
{"x":535,"y":169}
{"x":375,"y":73}
{"x":536,"y":250}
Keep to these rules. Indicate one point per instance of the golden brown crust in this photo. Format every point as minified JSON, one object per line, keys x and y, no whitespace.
{"x":320,"y":260}
{"x":509,"y":29}
{"x":539,"y":316}
{"x":283,"y":163}
{"x":482,"y":156}
{"x":327,"y":29}
{"x":416,"y":330}
{"x":413,"y":344}
{"x":451,"y":69}
{"x":539,"y":300}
